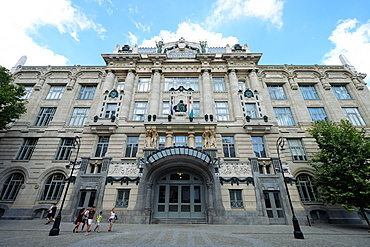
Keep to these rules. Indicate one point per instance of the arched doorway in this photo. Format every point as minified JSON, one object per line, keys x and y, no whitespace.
{"x":179,"y":195}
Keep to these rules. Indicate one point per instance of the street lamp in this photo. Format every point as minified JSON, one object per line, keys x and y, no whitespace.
{"x":55,"y":230}
{"x":297,"y":230}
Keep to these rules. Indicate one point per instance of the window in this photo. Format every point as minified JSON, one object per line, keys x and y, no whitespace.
{"x":307,"y":191}
{"x":258,"y":146}
{"x":284,"y":116}
{"x":110,"y":110}
{"x":27,"y":148}
{"x":162,"y":142}
{"x":28,"y":90}
{"x":241,"y":85}
{"x":176,"y":82}
{"x":341,"y":92}
{"x":198,"y":143}
{"x":354,"y":116}
{"x":11,"y":187}
{"x":228,"y":146}
{"x":236,"y":200}
{"x":79,"y":116}
{"x":251,"y":110}
{"x":222,"y":111}
{"x":276,"y":91}
{"x":297,"y":150}
{"x":122,"y":198}
{"x":140,"y":111}
{"x":309,"y":92}
{"x":180,"y":141}
{"x":131,"y":147}
{"x":120,"y":85}
{"x":102,"y":146}
{"x":143,"y":85}
{"x":45,"y":116}
{"x":219,"y":84}
{"x":165,"y":108}
{"x":87,"y":92}
{"x":196,"y":108}
{"x":317,"y":113}
{"x":55,"y":92}
{"x":53,"y":188}
{"x":65,"y":149}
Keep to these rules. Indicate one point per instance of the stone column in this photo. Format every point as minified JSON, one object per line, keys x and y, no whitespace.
{"x":234,"y":87}
{"x":129,"y":87}
{"x":155,"y":93}
{"x":293,"y":84}
{"x":255,"y":85}
{"x":169,"y":140}
{"x":207,"y":94}
{"x":191,"y":139}
{"x":109,"y":81}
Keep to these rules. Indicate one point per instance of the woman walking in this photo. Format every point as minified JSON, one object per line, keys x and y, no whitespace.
{"x":111,"y":219}
{"x":79,"y":219}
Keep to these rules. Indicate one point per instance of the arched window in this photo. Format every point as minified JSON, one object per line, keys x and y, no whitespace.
{"x":53,"y":187}
{"x":11,"y":187}
{"x":307,"y":191}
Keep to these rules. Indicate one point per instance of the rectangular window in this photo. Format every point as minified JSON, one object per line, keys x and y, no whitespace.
{"x":317,"y":113}
{"x":132,"y":145}
{"x":140,"y":111}
{"x":45,"y":116}
{"x":228,"y":146}
{"x":198,"y":143}
{"x":55,"y":92}
{"x":87,"y":92}
{"x":102,"y":146}
{"x":162,"y":142}
{"x":180,"y":141}
{"x":276,"y":91}
{"x":143,"y":85}
{"x":186,"y":82}
{"x":241,"y":85}
{"x":236,"y":200}
{"x":297,"y":150}
{"x":341,"y":92}
{"x":284,"y":116}
{"x":259,"y":147}
{"x":110,"y":110}
{"x":222,"y":111}
{"x":219,"y":84}
{"x":120,"y":85}
{"x":251,"y":110}
{"x":28,"y":90}
{"x":122,"y":198}
{"x":79,"y":116}
{"x":308,"y":92}
{"x":354,"y":116}
{"x":165,"y":108}
{"x":196,"y":108}
{"x":26,"y":150}
{"x":65,"y":149}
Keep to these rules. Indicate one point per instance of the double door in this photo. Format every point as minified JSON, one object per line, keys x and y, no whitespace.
{"x":274,"y":207}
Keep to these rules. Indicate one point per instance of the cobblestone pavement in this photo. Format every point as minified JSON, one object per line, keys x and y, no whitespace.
{"x":36,"y":233}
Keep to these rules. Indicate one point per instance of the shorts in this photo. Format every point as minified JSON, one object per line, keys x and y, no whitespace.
{"x":98,"y":223}
{"x":90,"y":221}
{"x":111,"y":220}
{"x":50,"y":215}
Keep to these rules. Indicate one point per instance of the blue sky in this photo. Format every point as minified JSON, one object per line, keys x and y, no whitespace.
{"x":299,"y":32}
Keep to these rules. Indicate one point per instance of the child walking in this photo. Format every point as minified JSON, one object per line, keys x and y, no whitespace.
{"x":98,"y":220}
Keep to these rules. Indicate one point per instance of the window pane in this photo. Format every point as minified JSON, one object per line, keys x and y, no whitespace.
{"x":79,"y":116}
{"x":65,"y":149}
{"x":45,"y":116}
{"x":122,"y":198}
{"x":354,"y":116}
{"x":284,"y":116}
{"x":317,"y":113}
{"x":219,"y":84}
{"x":259,"y":147}
{"x":276,"y":91}
{"x":87,"y":92}
{"x":222,"y":111}
{"x":53,"y":188}
{"x":102,"y":146}
{"x":175,"y":82}
{"x":55,"y":92}
{"x":28,"y":90}
{"x":236,"y":200}
{"x":132,"y":145}
{"x":308,"y":92}
{"x":140,"y":111}
{"x":228,"y":146}
{"x":297,"y":150}
{"x":341,"y":92}
{"x":11,"y":187}
{"x":251,"y":110}
{"x":143,"y":85}
{"x":27,"y":149}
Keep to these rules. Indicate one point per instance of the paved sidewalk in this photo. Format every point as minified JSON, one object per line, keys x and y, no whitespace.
{"x":36,"y":233}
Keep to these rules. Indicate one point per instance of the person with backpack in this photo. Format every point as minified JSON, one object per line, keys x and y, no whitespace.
{"x":79,"y":219}
{"x":112,"y":217}
{"x":90,"y":219}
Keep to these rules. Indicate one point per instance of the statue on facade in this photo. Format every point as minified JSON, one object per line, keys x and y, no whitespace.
{"x":180,"y":107}
{"x":209,"y":139}
{"x":159,"y":45}
{"x":203,"y":45}
{"x":151,"y":138}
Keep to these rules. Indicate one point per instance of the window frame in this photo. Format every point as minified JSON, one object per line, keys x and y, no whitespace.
{"x":306,"y":190}
{"x":26,"y":150}
{"x":87,"y":92}
{"x":140,"y":111}
{"x":122,"y":198}
{"x":53,"y":187}
{"x":258,"y":144}
{"x":341,"y":92}
{"x":45,"y":116}
{"x":284,"y":118}
{"x":236,"y":198}
{"x":65,"y":148}
{"x":132,"y":146}
{"x":354,"y":117}
{"x":102,"y":146}
{"x":186,"y":82}
{"x":297,"y":149}
{"x":10,"y":188}
{"x":228,"y":147}
{"x":143,"y":84}
{"x":308,"y":92}
{"x":110,"y":110}
{"x":317,"y":113}
{"x":222,"y":111}
{"x":79,"y":116}
{"x":276,"y":92}
{"x":219,"y":84}
{"x":55,"y":92}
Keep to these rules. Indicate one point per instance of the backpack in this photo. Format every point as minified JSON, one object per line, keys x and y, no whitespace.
{"x":115,"y":217}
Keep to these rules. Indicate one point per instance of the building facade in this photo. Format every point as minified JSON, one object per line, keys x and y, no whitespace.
{"x":179,"y":133}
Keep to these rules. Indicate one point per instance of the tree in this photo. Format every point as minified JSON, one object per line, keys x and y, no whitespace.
{"x":342,"y":165}
{"x":12,"y":106}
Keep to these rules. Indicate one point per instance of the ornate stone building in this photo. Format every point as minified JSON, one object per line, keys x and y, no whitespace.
{"x":181,"y":133}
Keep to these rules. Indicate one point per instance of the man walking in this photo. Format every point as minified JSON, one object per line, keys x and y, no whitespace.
{"x":51,"y":213}
{"x":90,"y":218}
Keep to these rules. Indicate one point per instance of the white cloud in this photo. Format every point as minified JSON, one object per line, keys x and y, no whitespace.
{"x":227,"y":10}
{"x":192,"y":32}
{"x":132,"y":38}
{"x":142,"y":27}
{"x":24,"y":17}
{"x":353,"y":40}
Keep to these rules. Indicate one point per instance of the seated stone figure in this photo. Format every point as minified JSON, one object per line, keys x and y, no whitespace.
{"x":180,"y":107}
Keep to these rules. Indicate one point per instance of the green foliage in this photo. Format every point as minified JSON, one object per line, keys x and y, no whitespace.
{"x":11,"y":102}
{"x":342,"y":164}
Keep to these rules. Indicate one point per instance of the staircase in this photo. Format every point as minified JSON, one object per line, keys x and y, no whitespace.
{"x":178,"y":221}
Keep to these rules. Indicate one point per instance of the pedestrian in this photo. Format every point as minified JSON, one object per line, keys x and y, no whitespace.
{"x":79,"y":219}
{"x":111,"y":218}
{"x":97,"y":222}
{"x":90,"y":219}
{"x":51,"y":213}
{"x":84,"y":219}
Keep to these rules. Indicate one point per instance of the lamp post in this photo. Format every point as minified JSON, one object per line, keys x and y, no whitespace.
{"x":297,"y":230}
{"x":55,"y":230}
